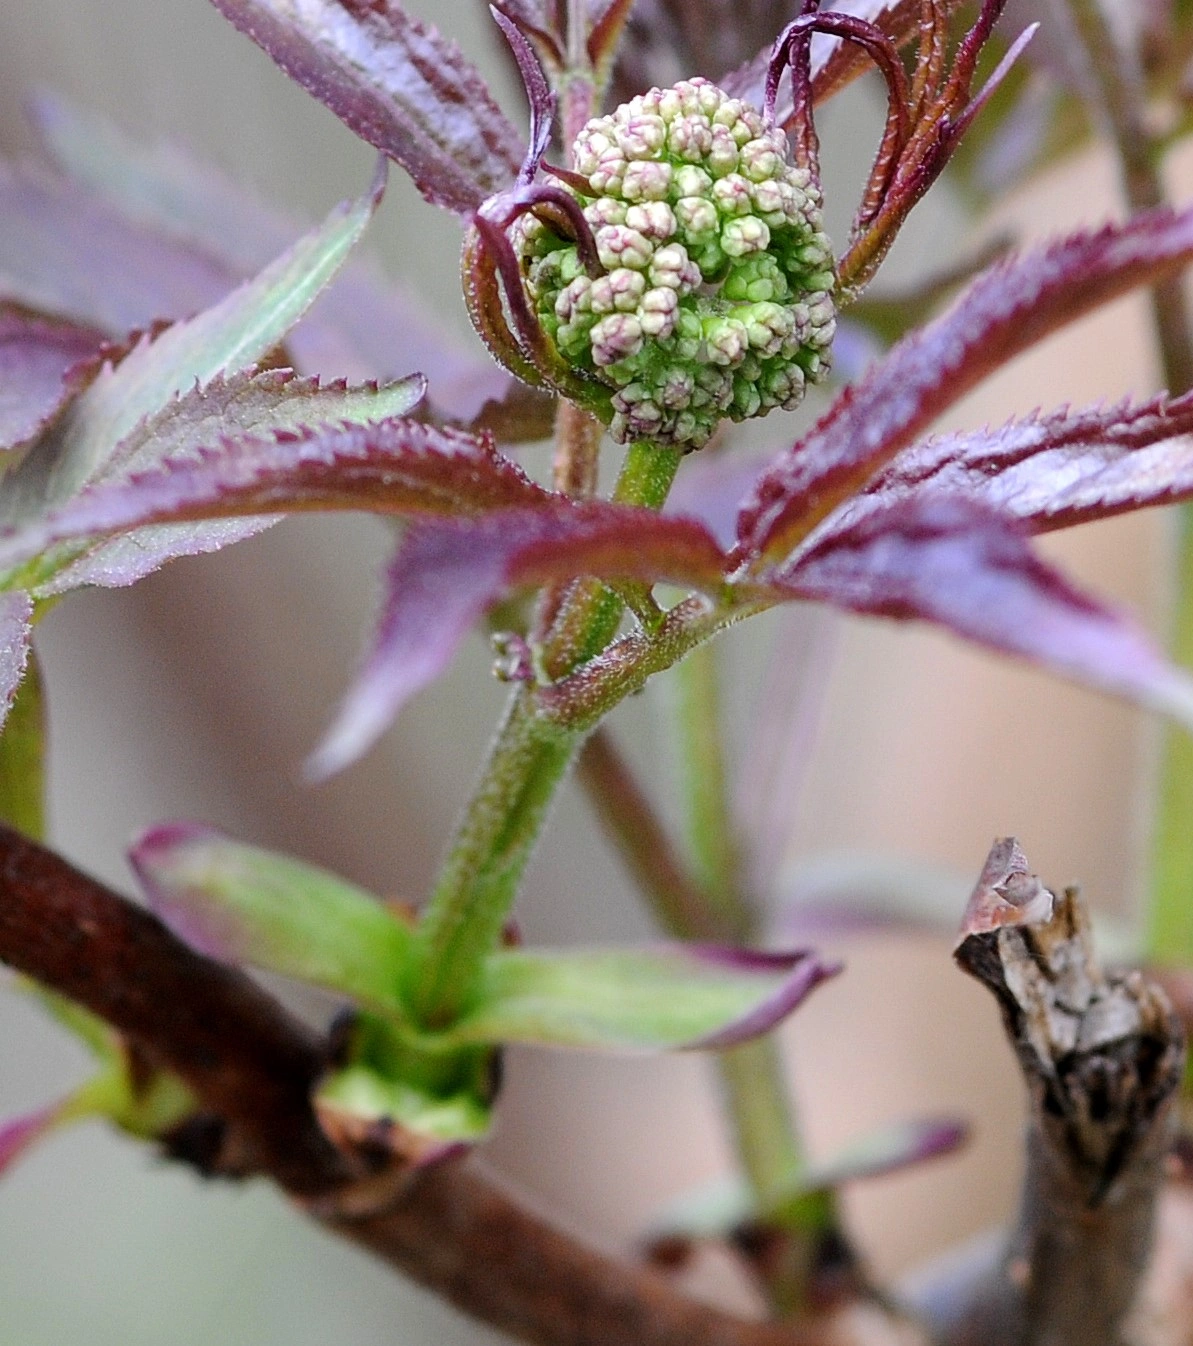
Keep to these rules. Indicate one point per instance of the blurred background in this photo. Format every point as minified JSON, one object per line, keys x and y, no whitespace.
{"x":199,"y":692}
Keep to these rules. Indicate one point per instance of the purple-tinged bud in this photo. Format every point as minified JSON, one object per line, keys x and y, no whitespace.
{"x":718,"y":295}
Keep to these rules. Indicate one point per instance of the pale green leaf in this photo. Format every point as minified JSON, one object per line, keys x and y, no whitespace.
{"x":242,"y":904}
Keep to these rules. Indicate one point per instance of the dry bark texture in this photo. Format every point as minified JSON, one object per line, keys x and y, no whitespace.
{"x":1102,"y":1056}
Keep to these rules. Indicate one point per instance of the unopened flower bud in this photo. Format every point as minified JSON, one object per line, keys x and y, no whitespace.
{"x":717,"y":298}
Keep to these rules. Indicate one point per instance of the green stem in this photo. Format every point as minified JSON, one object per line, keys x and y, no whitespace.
{"x":22,"y":765}
{"x":589,"y":615}
{"x":477,"y":885}
{"x":704,"y":785}
{"x":762,"y":1119}
{"x":1170,"y":912}
{"x":1119,"y":84}
{"x":476,"y":888}
{"x":752,"y":1077}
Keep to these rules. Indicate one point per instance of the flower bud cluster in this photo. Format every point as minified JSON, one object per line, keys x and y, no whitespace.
{"x":717,"y":295}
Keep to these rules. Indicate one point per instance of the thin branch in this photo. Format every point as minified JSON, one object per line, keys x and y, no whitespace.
{"x":249,"y":1062}
{"x":1102,"y":1057}
{"x":451,"y":1228}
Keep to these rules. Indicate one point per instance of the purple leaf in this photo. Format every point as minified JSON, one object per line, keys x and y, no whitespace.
{"x":538,"y":93}
{"x":1010,"y":307}
{"x":16,"y":613}
{"x":363,"y":326}
{"x":67,"y":252}
{"x":444,"y":577}
{"x":44,"y":362}
{"x":398,"y":84}
{"x":399,"y":467}
{"x":1050,"y":471}
{"x":947,"y":560}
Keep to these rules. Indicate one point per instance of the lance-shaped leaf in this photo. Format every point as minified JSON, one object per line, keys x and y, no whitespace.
{"x":241,"y":904}
{"x":947,"y":560}
{"x":1010,"y":307}
{"x":398,"y":84}
{"x":398,"y":467}
{"x":721,"y":1209}
{"x":44,"y":362}
{"x":662,"y":999}
{"x":266,"y":410}
{"x":364,"y":325}
{"x":230,"y":336}
{"x":444,"y":577}
{"x":1050,"y":471}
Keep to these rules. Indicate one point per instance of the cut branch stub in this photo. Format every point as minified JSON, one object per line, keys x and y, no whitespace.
{"x":1102,"y":1055}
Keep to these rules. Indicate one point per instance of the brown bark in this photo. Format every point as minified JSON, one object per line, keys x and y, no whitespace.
{"x":450,"y":1227}
{"x":1102,"y":1057}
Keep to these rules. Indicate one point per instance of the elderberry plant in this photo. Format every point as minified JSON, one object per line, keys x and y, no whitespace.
{"x":654,"y":274}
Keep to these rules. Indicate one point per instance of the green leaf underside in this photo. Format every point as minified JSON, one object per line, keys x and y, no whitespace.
{"x":232,"y":335}
{"x":635,"y":999}
{"x":242,"y":904}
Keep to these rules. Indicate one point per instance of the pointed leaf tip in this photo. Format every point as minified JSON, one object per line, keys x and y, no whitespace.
{"x":681,"y":997}
{"x":230,"y":336}
{"x":19,"y":1134}
{"x":445,"y":575}
{"x":242,"y":904}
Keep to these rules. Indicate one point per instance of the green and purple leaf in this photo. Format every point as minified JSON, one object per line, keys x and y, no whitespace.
{"x":241,"y":904}
{"x":236,"y":332}
{"x":271,"y":410}
{"x":1049,"y":470}
{"x":1010,"y":307}
{"x":958,"y":564}
{"x":44,"y":362}
{"x":399,"y":467}
{"x":363,"y":326}
{"x":446,"y":575}
{"x":675,"y":997}
{"x":396,"y":83}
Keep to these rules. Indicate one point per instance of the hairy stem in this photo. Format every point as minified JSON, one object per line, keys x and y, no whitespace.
{"x":477,"y":886}
{"x":22,"y":756}
{"x":479,"y":880}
